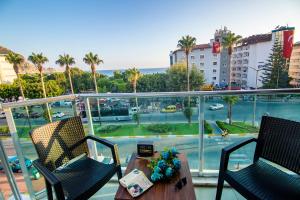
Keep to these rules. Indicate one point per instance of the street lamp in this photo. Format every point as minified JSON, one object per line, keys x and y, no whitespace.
{"x":254,"y":102}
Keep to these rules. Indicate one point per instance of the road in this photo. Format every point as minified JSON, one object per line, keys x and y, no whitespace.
{"x":242,"y":111}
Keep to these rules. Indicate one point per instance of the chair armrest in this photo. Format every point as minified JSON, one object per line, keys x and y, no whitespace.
{"x":226,"y":151}
{"x":49,"y":176}
{"x":230,"y":148}
{"x":111,"y":145}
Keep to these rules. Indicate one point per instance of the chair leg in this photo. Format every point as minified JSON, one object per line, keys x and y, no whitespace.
{"x":119,"y":172}
{"x":59,"y":192}
{"x":220,"y":186}
{"x":49,"y":190}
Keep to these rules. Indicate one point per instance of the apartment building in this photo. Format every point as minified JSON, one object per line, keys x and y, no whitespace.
{"x":7,"y":73}
{"x":213,"y":65}
{"x":294,"y":68}
{"x":248,"y":57}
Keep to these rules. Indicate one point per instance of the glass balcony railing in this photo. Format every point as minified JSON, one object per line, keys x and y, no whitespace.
{"x":199,"y":131}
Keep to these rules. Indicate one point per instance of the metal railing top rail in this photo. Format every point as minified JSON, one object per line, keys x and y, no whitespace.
{"x":151,"y":94}
{"x":193,"y":93}
{"x":39,"y":101}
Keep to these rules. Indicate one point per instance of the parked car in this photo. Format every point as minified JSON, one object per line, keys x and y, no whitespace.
{"x":19,"y":115}
{"x":35,"y":115}
{"x":58,"y":115}
{"x":135,"y":110}
{"x":216,"y":106}
{"x":2,"y":115}
{"x":169,"y":109}
{"x":61,"y":104}
{"x":15,"y":163}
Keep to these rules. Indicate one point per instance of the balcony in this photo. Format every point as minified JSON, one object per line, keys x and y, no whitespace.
{"x":201,"y":140}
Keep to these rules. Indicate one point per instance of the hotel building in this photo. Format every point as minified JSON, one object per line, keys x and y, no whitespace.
{"x":294,"y":69}
{"x":247,"y":59}
{"x":214,"y":66}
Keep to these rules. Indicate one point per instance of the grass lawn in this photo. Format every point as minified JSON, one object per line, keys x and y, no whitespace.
{"x":134,"y":130}
{"x":237,"y":127}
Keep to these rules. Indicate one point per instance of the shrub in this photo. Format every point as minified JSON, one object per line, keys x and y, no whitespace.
{"x":160,"y":128}
{"x":207,"y":127}
{"x":4,"y":130}
{"x":108,"y":128}
{"x":221,"y":125}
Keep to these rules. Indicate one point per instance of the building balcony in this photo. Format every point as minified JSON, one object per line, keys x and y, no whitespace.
{"x":201,"y":141}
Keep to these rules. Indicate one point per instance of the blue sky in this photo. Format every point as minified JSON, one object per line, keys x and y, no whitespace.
{"x":132,"y":33}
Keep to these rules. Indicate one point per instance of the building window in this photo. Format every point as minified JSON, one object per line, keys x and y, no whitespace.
{"x":214,"y":70}
{"x":201,"y":64}
{"x":215,"y":55}
{"x":214,"y":78}
{"x":201,"y":56}
{"x":192,"y":57}
{"x":202,"y":49}
{"x":214,"y":63}
{"x":202,"y":71}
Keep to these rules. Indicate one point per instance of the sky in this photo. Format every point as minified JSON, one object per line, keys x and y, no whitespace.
{"x":132,"y":33}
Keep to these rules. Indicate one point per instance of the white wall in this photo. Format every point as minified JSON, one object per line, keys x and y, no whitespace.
{"x":208,"y":67}
{"x":7,"y":73}
{"x":258,"y":55}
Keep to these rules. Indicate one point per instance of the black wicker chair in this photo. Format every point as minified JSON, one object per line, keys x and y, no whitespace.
{"x":278,"y":142}
{"x":59,"y":142}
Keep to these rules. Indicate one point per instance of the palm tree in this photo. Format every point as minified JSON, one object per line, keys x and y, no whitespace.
{"x":38,"y":60}
{"x":228,"y":42}
{"x":187,"y":43}
{"x":94,"y":60}
{"x":67,"y":60}
{"x":230,"y":100}
{"x":134,"y":76}
{"x":16,"y":60}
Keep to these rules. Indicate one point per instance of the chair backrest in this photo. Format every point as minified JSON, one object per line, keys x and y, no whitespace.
{"x":53,"y":141}
{"x":279,"y":142}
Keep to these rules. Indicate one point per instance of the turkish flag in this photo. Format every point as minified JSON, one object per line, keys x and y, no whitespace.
{"x":288,"y":37}
{"x":216,"y":47}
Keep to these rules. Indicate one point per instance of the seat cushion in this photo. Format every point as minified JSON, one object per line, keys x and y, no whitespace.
{"x":263,"y":181}
{"x":83,"y":178}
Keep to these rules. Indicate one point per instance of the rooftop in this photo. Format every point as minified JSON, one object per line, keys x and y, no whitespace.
{"x":254,"y":39}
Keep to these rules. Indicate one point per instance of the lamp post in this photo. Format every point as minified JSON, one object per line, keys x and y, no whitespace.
{"x":254,"y":101}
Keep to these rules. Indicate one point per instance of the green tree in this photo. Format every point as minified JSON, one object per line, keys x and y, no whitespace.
{"x":188,"y":113}
{"x":134,"y":76}
{"x":230,"y":100}
{"x":177,"y":78}
{"x":228,"y":42}
{"x":67,"y":60}
{"x":53,"y":89}
{"x":187,"y":43}
{"x":60,"y":79}
{"x":38,"y":60}
{"x":275,"y":71}
{"x":9,"y":91}
{"x":16,"y":60}
{"x":93,"y":60}
{"x":153,"y":83}
{"x":136,"y":118}
{"x":117,"y":74}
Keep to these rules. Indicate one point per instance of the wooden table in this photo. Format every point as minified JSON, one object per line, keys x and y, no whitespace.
{"x":160,"y":191}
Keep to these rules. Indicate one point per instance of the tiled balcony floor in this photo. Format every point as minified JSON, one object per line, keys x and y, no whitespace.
{"x":202,"y":193}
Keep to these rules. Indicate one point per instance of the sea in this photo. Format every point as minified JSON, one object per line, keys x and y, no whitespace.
{"x":110,"y":72}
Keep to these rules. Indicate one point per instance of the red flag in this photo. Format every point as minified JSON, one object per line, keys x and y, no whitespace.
{"x":216,"y":47}
{"x":288,"y":37}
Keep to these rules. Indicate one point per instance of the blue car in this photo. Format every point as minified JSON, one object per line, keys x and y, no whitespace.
{"x":15,"y":163}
